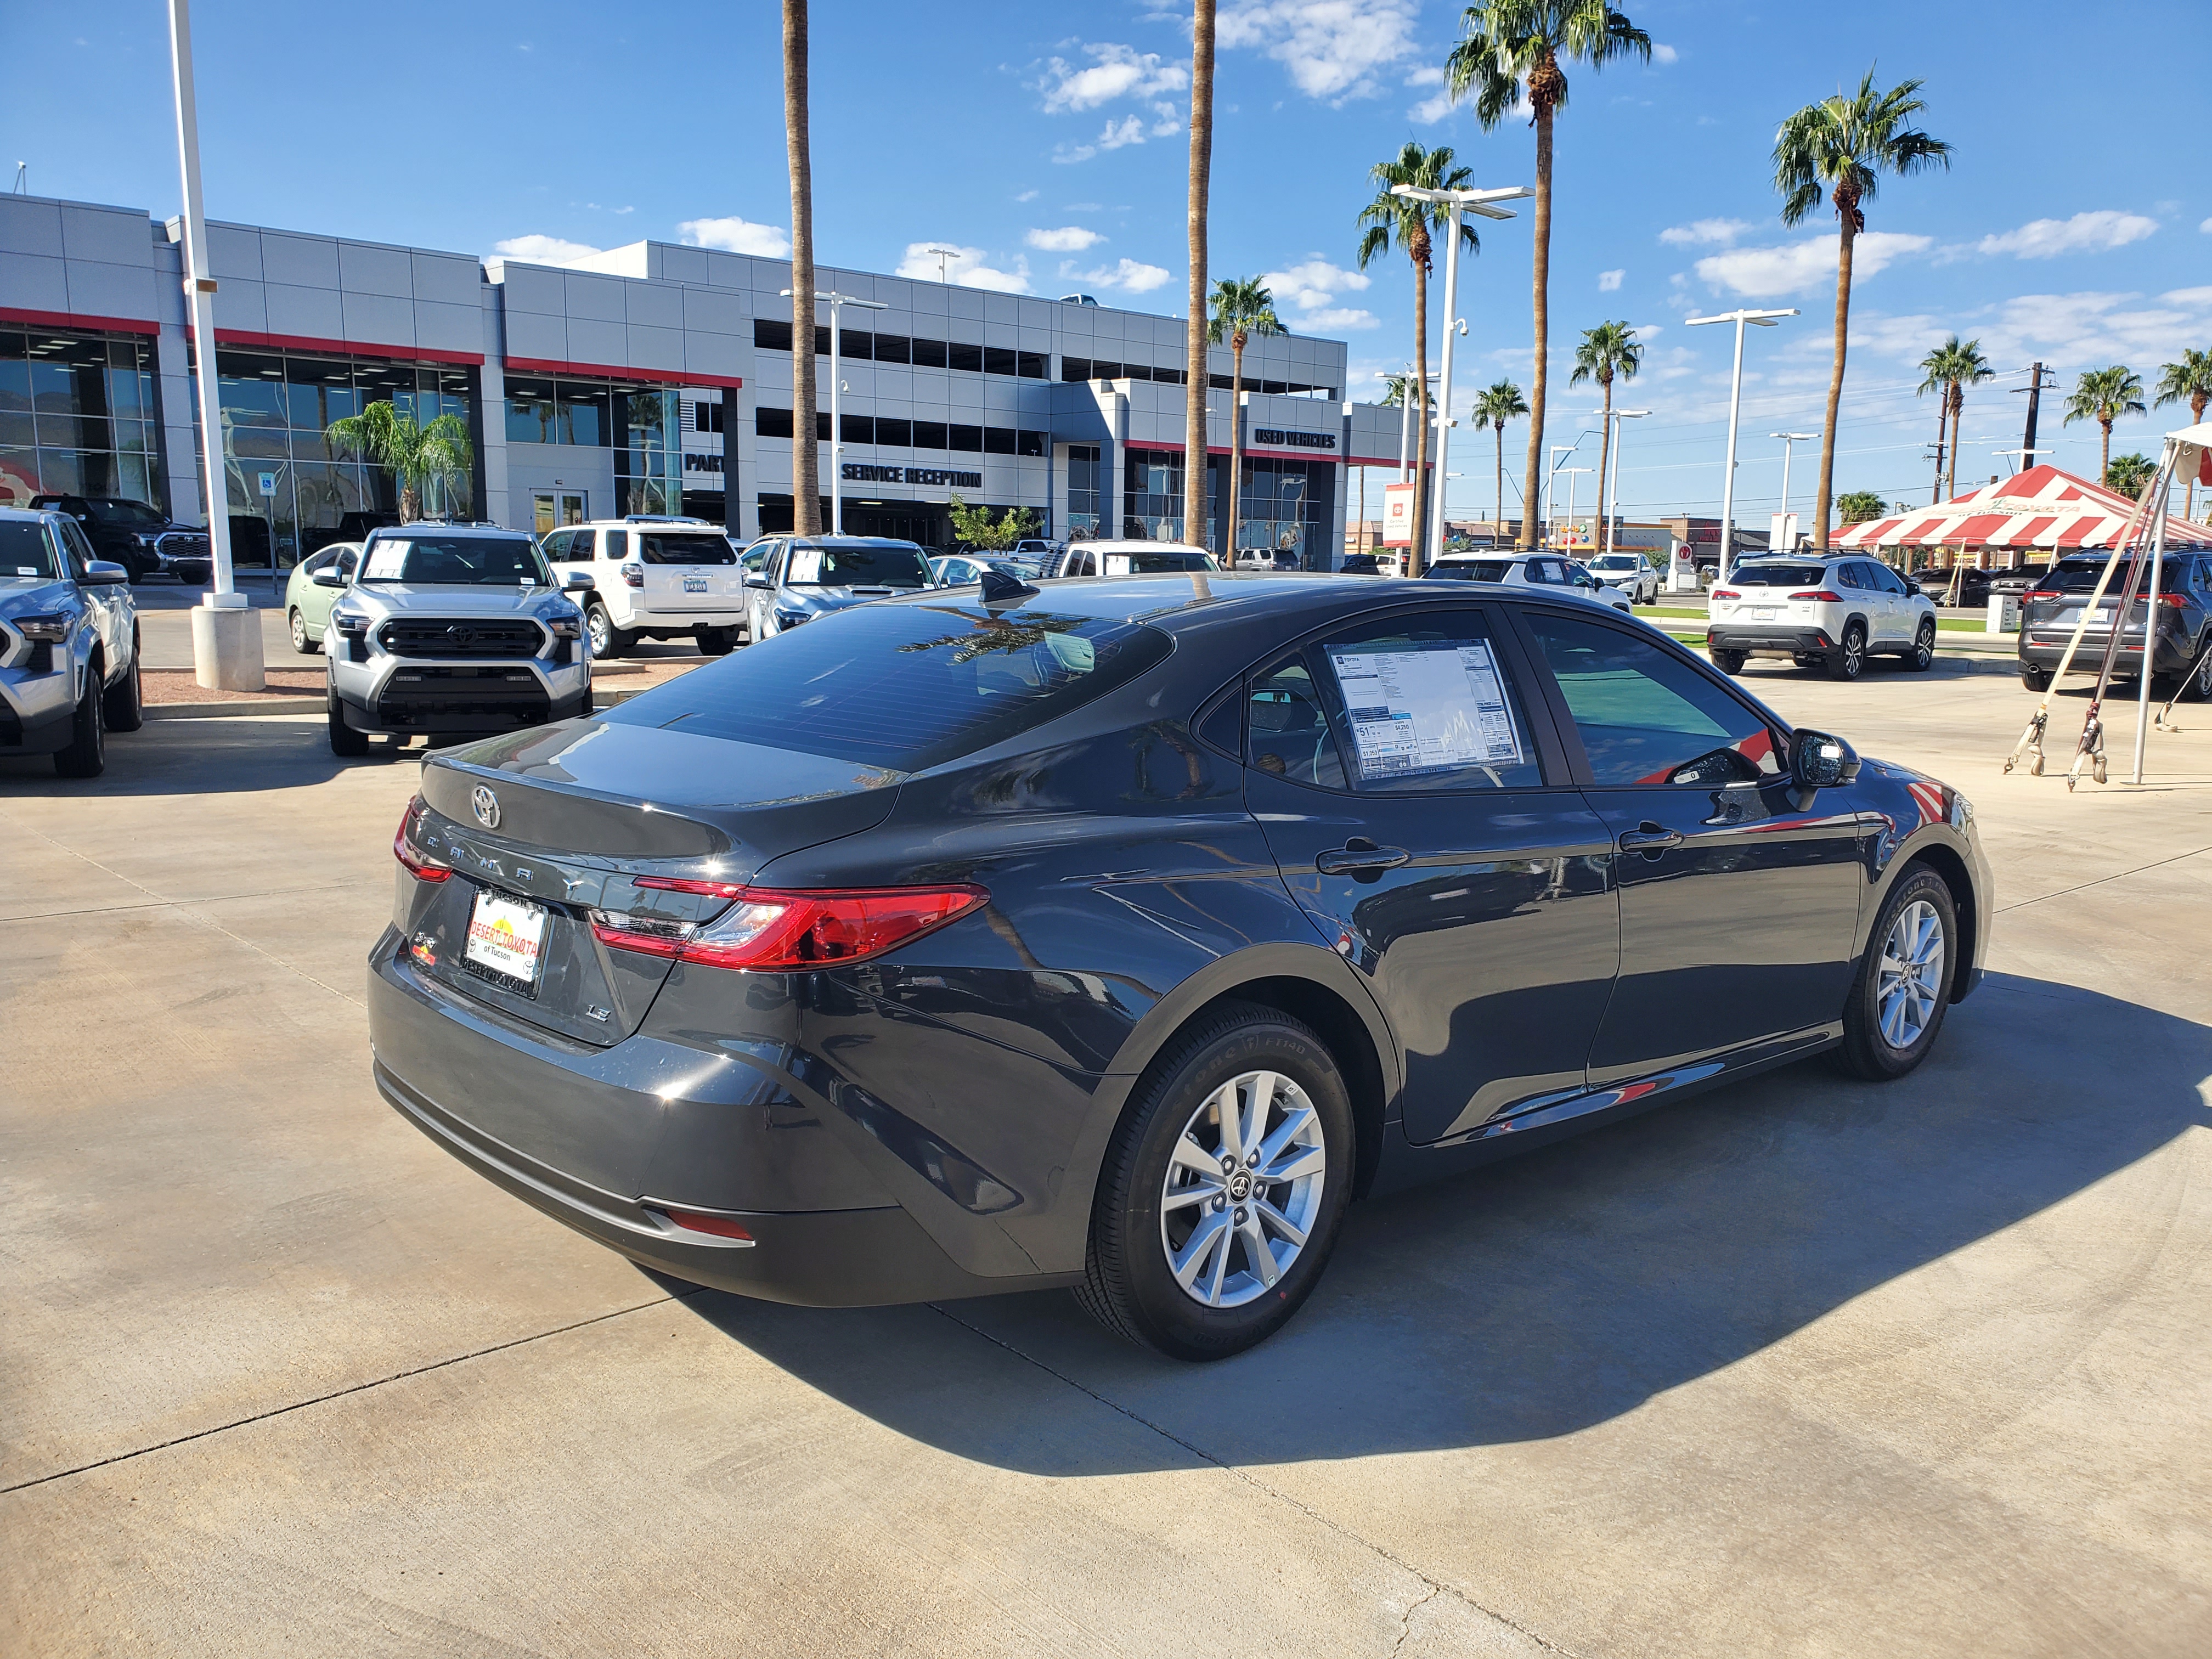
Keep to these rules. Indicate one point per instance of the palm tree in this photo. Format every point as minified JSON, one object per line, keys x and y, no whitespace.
{"x":1503,"y":44}
{"x":2126,"y":475}
{"x":805,"y":458}
{"x":1411,"y":223}
{"x":2189,"y":381}
{"x":1860,"y":506}
{"x":1396,"y":388}
{"x":2104,"y":395}
{"x":415,"y":455}
{"x":1241,"y":307}
{"x":1844,"y":145}
{"x":1500,"y":403}
{"x":1950,"y":370}
{"x":1610,"y":349}
{"x":1936,"y":377}
{"x":1198,"y":382}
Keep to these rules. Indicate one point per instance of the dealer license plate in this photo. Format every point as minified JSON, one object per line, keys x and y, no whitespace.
{"x":506,"y":938}
{"x":694,"y":584}
{"x":1762,"y":613}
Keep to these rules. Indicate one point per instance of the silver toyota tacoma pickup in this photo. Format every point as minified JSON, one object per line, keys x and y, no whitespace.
{"x":452,"y":630}
{"x":68,"y":644}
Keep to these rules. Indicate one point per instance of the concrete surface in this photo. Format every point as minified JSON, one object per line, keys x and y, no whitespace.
{"x":1804,"y":1366}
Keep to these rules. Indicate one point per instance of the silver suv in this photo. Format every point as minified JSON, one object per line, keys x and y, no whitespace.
{"x":68,"y":644}
{"x":452,"y":630}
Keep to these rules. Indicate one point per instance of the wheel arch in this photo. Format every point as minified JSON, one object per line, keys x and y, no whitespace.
{"x":1945,"y":861}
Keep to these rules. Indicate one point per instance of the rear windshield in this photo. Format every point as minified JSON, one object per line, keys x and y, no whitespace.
{"x":1137,"y":563}
{"x":896,"y":566}
{"x":24,"y":552}
{"x":2080,"y":576}
{"x":454,"y":561}
{"x":1471,"y":571}
{"x":658,"y":547}
{"x":1782,"y":574}
{"x":902,"y":687}
{"x":1615,"y":562}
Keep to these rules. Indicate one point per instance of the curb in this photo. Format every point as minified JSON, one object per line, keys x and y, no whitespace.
{"x":214,"y":711}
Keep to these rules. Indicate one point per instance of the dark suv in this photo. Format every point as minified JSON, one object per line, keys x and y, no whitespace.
{"x":137,"y":537}
{"x":2182,"y":658}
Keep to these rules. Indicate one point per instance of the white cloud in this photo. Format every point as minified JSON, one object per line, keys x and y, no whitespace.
{"x":1665,"y":55}
{"x":1169,"y":121}
{"x":1314,"y":286}
{"x":736,"y":236}
{"x":2085,"y":232}
{"x":1699,"y":232}
{"x":1130,"y":276}
{"x":1068,"y":239}
{"x":1027,"y":195}
{"x":1334,"y":49}
{"x":965,"y":268}
{"x":1609,"y":282}
{"x":1770,"y":272}
{"x":1339,"y":321}
{"x":545,"y":250}
{"x":2069,"y":331}
{"x":1115,"y":71}
{"x":2206,"y":227}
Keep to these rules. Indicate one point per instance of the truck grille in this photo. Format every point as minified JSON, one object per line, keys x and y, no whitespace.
{"x":458,"y":636}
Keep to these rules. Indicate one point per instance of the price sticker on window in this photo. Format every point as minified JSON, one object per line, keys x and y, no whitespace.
{"x":1427,"y":710}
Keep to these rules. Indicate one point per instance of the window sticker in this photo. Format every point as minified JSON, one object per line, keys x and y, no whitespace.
{"x":386,"y":560}
{"x":1429,"y":710}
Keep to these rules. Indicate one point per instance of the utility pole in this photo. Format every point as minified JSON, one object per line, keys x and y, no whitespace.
{"x":2035,"y":389}
{"x":1942,"y":412}
{"x":944,"y":256}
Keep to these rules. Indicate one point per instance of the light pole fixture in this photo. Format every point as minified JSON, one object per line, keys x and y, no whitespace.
{"x":1789,"y":442}
{"x":1572,"y":473}
{"x":1613,"y":483}
{"x":837,"y":302}
{"x":1552,"y":481}
{"x":1757,"y":320}
{"x":944,"y":254}
{"x":1455,"y":202}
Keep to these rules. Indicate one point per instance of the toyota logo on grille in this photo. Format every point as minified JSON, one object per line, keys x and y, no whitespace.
{"x":461,"y":634}
{"x":485,"y":805}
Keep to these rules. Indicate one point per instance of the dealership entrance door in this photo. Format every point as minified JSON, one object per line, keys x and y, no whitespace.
{"x":554,"y":509}
{"x":927,"y":523}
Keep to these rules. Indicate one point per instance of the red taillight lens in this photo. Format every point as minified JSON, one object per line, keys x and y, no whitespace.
{"x":768,"y":930}
{"x":633,"y":574}
{"x":1820,"y":597}
{"x":1726,"y":593}
{"x":419,"y":865}
{"x":2043,"y":593}
{"x":2173,"y":599}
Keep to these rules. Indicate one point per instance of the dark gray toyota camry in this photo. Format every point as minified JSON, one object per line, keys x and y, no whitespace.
{"x":1118,"y":934}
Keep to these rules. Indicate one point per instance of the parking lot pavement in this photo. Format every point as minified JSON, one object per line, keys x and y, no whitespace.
{"x":1800,"y":1366}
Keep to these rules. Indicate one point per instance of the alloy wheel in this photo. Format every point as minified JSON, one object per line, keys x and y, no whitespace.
{"x":596,"y":623}
{"x":1911,"y":974}
{"x":1244,"y":1189}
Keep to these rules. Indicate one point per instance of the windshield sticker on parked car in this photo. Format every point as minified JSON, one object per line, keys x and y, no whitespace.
{"x":386,"y":560}
{"x":1429,"y":710}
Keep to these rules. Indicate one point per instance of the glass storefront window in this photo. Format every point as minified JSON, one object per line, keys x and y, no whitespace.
{"x":1082,"y":489}
{"x":73,"y":407}
{"x":530,"y":410}
{"x":583,"y":415}
{"x":250,"y":388}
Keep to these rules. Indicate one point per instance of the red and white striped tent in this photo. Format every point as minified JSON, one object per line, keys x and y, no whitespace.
{"x":2040,"y":511}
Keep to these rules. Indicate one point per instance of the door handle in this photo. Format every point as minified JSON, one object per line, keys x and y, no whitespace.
{"x":1650,"y":840}
{"x":1359,"y":857}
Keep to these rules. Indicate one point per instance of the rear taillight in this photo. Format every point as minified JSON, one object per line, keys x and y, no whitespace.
{"x":2173,"y":599}
{"x":633,"y":574}
{"x":771,"y":930}
{"x":419,"y":865}
{"x":1726,"y":593}
{"x":1821,"y":596}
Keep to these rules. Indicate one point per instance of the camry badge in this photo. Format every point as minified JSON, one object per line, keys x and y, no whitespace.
{"x":485,"y":805}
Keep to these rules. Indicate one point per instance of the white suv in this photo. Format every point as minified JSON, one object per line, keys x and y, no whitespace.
{"x":653,"y":577}
{"x":1822,"y":613}
{"x":1630,"y":571}
{"x":1549,"y":571}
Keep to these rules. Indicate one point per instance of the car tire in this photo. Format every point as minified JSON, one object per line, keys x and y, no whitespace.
{"x":345,"y":743}
{"x":1901,"y":989}
{"x":86,"y":756}
{"x":607,"y":639}
{"x":1922,"y":657}
{"x":2197,"y":687}
{"x":1728,"y":662}
{"x":301,"y":642}
{"x":122,"y":705}
{"x":2035,"y":678}
{"x":716,"y":641}
{"x":1162,"y":1165}
{"x":1848,"y":661}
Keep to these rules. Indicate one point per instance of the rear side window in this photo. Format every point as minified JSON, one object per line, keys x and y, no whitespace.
{"x":2080,"y":576}
{"x":1781,"y":573}
{"x":902,"y":687}
{"x":1286,"y":731}
{"x":654,"y":547}
{"x":1469,"y":570}
{"x":1647,"y":718}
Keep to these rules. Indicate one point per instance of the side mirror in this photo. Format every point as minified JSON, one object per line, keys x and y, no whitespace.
{"x":1819,"y":761}
{"x":101,"y":573}
{"x":329,"y":576}
{"x":579,"y":581}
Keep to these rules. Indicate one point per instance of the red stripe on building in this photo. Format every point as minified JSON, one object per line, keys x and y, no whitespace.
{"x":233,"y":337}
{"x":609,"y":372}
{"x":76,"y":319}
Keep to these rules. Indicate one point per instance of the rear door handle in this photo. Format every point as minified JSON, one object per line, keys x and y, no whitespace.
{"x":1650,"y":840}
{"x":1361,"y":860}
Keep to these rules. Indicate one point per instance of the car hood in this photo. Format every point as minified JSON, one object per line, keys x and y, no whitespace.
{"x":424,"y":599}
{"x":31,"y":596}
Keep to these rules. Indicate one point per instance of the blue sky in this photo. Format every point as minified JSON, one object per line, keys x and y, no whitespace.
{"x":1045,"y":143}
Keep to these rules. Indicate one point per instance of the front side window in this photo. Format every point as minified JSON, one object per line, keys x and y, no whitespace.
{"x":1647,"y":718}
{"x":454,"y":561}
{"x":24,"y":552}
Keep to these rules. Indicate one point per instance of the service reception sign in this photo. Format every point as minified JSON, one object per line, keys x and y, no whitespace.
{"x":1398,"y":515}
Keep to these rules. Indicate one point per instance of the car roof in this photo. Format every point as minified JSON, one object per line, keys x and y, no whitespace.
{"x":22,"y":514}
{"x":855,"y":541}
{"x":397,"y":531}
{"x":1134,"y":544}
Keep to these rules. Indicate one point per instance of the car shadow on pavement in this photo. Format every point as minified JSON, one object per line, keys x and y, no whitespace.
{"x":1564,"y":1288}
{"x":214,"y":756}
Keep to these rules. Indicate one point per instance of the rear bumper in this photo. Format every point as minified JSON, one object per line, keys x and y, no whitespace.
{"x":1732,"y":636}
{"x":2042,"y":648}
{"x":681,"y":621}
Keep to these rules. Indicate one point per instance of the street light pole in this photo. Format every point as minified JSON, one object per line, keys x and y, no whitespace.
{"x":1552,"y":482}
{"x":837,"y":302}
{"x":1613,"y":483}
{"x":1789,"y":442}
{"x":1757,"y":320}
{"x":1454,"y":203}
{"x":1572,"y":472}
{"x":943,"y":255}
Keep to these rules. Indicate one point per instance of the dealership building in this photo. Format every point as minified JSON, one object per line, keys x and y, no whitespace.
{"x":650,"y":378}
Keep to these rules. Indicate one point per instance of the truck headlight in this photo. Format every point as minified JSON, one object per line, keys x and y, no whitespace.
{"x":43,"y":630}
{"x":565,"y":628}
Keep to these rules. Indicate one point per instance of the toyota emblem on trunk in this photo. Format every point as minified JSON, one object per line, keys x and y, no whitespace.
{"x":485,"y":805}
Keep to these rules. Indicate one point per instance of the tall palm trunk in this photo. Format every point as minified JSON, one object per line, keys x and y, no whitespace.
{"x":1236,"y":440}
{"x":805,"y":458}
{"x":1823,"y":500}
{"x":1532,"y":483}
{"x":1198,"y":382}
{"x":1420,"y":412}
{"x":1604,"y":454}
{"x":1957,"y":407}
{"x":2104,"y":455}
